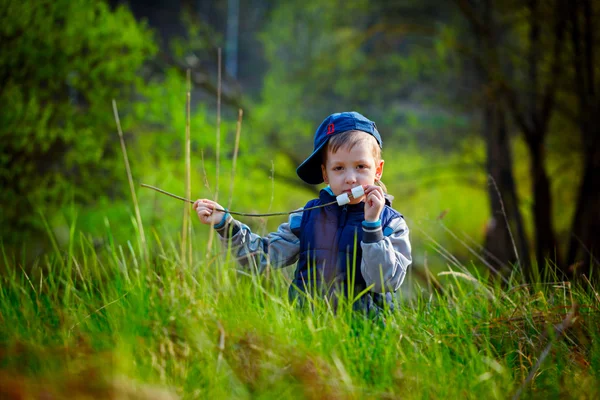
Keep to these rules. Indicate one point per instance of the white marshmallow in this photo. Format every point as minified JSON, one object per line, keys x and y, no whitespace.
{"x":358,"y":191}
{"x":343,"y":199}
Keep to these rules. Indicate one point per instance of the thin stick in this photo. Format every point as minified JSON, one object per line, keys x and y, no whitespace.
{"x":235,"y":153}
{"x":130,"y":179}
{"x":188,"y":183}
{"x":235,"y":212}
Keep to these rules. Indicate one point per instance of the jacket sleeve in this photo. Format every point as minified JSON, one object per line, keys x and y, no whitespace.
{"x":277,"y":249}
{"x":386,"y":255}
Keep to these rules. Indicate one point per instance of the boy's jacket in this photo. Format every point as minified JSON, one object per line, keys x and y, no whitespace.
{"x":323,"y":242}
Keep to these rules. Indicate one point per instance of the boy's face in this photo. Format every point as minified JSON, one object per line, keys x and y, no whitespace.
{"x":346,"y":169}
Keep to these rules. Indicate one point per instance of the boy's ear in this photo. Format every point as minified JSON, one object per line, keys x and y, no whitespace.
{"x":379,"y":170}
{"x":324,"y":172}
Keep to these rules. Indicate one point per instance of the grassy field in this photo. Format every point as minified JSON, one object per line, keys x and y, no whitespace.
{"x":111,"y":313}
{"x":110,"y":321}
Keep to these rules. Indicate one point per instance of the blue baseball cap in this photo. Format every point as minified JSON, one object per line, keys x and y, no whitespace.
{"x":310,"y":170}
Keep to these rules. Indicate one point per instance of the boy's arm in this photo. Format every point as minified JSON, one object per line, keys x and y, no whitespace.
{"x":278,"y":249}
{"x":385,"y":255}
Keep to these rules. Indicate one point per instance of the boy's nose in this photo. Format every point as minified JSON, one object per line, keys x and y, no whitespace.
{"x":350,"y":178}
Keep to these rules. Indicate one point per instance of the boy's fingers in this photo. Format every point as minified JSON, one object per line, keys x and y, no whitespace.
{"x":375,"y":192}
{"x":209,"y":204}
{"x":200,"y":202}
{"x":372,"y":188}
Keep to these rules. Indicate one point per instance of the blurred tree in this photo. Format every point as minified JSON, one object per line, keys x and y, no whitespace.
{"x":378,"y":58}
{"x":387,"y":57}
{"x":546,"y":69}
{"x":584,"y":243}
{"x":522,"y":72}
{"x":61,"y":63}
{"x":492,"y":36}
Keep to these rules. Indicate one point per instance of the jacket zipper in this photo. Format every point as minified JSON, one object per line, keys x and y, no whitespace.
{"x":341,"y":225}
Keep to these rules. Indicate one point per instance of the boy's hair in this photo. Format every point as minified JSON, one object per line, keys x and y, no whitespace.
{"x":348,"y":140}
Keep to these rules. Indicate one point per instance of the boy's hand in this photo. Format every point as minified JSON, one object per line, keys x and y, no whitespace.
{"x":374,"y":202}
{"x":206,"y":211}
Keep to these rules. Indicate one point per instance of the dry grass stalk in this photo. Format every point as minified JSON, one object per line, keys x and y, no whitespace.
{"x":186,"y":253}
{"x":475,"y":253}
{"x":138,"y":216}
{"x":236,"y":147}
{"x":591,"y":287}
{"x":221,"y":344}
{"x":218,"y":127}
{"x":559,"y":331}
{"x":512,"y":239}
{"x":216,"y":196}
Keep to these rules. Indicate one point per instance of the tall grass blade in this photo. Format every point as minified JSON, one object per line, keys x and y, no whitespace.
{"x":130,"y":179}
{"x":218,"y":149}
{"x":236,"y":147}
{"x":186,"y":253}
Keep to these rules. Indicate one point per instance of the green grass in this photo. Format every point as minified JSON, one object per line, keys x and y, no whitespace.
{"x":100,"y":322}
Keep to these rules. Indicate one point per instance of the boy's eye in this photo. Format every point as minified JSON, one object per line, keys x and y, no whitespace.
{"x":337,"y":168}
{"x":361,"y":166}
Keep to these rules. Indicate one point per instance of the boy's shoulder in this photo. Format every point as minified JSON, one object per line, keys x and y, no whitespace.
{"x":392,"y":212}
{"x":392,"y":221}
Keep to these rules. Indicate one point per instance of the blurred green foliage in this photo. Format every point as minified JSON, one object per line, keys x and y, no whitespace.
{"x":61,"y":64}
{"x":396,"y":63}
{"x":317,"y":66}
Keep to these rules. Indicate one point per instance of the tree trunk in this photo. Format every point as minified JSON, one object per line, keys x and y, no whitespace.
{"x":499,"y":166}
{"x":584,"y":244}
{"x":502,"y":191}
{"x":545,"y":242}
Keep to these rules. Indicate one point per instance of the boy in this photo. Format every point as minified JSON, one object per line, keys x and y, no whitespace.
{"x":340,"y":250}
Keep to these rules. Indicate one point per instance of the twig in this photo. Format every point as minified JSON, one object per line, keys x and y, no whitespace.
{"x":236,"y":212}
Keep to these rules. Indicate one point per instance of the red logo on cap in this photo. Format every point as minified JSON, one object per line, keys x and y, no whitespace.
{"x":330,"y":129}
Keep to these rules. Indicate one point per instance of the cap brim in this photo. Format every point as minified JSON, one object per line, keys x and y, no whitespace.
{"x":310,"y":170}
